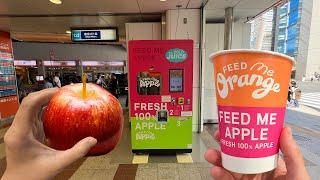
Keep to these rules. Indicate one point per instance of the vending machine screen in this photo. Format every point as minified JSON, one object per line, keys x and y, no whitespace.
{"x":176,"y":80}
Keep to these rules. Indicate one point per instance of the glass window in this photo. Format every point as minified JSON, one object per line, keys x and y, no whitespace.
{"x":283,"y":10}
{"x":292,"y":32}
{"x":281,"y":46}
{"x":282,"y":34}
{"x":293,"y":17}
{"x":281,"y":43}
{"x":294,"y":5}
{"x":283,"y":22}
{"x":280,"y":49}
{"x":281,"y":37}
{"x":282,"y":31}
{"x":291,"y":46}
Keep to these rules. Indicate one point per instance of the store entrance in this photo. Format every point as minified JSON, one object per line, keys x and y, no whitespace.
{"x":68,"y":75}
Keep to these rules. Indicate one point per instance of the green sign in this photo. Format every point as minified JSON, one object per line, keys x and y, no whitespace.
{"x":176,"y":55}
{"x":151,"y":134}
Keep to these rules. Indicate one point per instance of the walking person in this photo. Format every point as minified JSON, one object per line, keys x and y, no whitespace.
{"x":47,"y":83}
{"x":21,"y":88}
{"x":56,"y":80}
{"x":101,"y":81}
{"x":113,"y":86}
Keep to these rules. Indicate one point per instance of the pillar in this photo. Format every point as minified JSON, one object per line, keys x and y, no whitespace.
{"x":228,"y":28}
{"x":274,"y":27}
{"x":178,"y":28}
{"x":79,"y":67}
{"x":41,"y":69}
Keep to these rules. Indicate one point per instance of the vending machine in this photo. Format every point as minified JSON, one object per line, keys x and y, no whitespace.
{"x":160,"y":95}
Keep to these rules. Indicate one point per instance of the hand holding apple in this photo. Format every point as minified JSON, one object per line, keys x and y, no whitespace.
{"x":25,"y":151}
{"x":82,"y":110}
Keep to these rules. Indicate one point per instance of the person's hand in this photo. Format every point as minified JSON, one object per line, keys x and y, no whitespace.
{"x":291,"y":167}
{"x":27,"y":157}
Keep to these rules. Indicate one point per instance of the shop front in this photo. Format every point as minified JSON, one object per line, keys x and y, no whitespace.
{"x":66,"y":69}
{"x":96,"y":68}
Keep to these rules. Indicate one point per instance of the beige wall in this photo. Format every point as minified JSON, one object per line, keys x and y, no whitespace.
{"x":214,"y":36}
{"x":303,"y":39}
{"x":177,"y":29}
{"x":143,"y":31}
{"x":313,"y":61}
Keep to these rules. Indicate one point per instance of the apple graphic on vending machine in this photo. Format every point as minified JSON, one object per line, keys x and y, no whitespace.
{"x":81,"y":110}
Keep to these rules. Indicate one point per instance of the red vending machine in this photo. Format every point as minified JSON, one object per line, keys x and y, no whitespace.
{"x":160,"y":95}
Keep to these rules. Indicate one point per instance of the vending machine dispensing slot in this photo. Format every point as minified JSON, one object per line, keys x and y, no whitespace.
{"x":162,"y":116}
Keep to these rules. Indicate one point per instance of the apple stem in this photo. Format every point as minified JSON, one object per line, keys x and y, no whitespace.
{"x":84,"y":85}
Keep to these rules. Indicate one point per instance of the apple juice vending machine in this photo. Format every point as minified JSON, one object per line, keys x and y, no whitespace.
{"x":160,"y":95}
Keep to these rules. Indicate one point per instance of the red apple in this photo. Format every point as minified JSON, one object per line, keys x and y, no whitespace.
{"x":70,"y":117}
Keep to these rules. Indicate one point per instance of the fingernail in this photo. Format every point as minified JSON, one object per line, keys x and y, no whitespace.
{"x":93,"y":140}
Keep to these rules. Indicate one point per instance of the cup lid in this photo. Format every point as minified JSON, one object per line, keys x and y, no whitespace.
{"x":213,"y":55}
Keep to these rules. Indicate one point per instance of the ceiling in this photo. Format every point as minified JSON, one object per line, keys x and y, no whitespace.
{"x":243,"y":9}
{"x":27,"y":20}
{"x":41,"y":20}
{"x":59,"y":25}
{"x":92,"y":6}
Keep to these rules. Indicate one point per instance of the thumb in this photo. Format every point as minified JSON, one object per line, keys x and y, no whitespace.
{"x":77,"y":151}
{"x":292,"y":155}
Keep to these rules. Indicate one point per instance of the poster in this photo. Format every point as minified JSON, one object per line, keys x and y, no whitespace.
{"x":5,"y":42}
{"x":9,"y":102}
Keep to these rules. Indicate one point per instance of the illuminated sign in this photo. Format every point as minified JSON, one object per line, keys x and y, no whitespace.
{"x":102,"y":63}
{"x":94,"y":34}
{"x":6,"y":56}
{"x":39,"y":78}
{"x":59,"y":63}
{"x":24,"y":63}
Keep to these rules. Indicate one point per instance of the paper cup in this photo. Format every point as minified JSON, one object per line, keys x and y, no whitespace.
{"x":251,"y":90}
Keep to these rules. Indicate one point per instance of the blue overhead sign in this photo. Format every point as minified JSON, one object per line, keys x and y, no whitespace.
{"x":86,"y":35}
{"x":94,"y":34}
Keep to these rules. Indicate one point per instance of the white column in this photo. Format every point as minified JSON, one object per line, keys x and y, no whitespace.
{"x":313,"y":63}
{"x":79,"y":67}
{"x":214,"y":41}
{"x":228,"y":27}
{"x":178,"y":28}
{"x":40,"y":67}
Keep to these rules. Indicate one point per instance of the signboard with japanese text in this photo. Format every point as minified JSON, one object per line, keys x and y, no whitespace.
{"x":5,"y":42}
{"x":9,"y":102}
{"x":94,"y":34}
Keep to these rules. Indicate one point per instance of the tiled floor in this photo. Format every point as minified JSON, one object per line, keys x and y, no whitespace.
{"x":118,"y":163}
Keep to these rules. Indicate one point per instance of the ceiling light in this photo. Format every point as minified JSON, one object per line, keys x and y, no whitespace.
{"x":163,"y":0}
{"x":68,"y":31}
{"x":56,"y":1}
